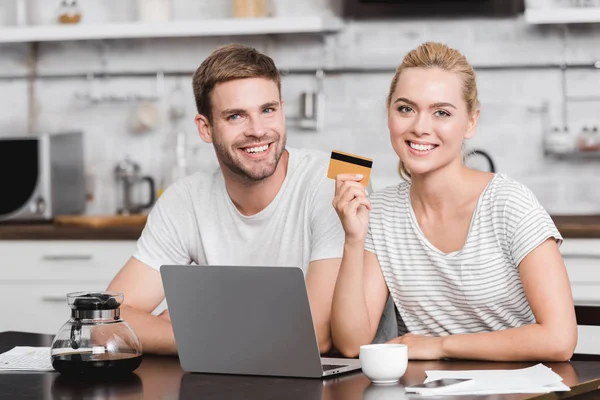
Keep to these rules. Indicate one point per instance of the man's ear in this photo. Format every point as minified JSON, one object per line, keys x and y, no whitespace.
{"x":204,"y":128}
{"x":471,"y":129}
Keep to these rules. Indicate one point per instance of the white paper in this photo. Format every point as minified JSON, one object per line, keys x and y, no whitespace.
{"x":536,"y":379}
{"x":22,"y":358}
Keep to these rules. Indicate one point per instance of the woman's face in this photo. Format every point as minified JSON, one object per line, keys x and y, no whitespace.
{"x":428,"y":119}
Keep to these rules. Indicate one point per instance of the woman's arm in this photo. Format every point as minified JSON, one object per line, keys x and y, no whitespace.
{"x":358,"y":300}
{"x":552,"y":337}
{"x":360,"y":292}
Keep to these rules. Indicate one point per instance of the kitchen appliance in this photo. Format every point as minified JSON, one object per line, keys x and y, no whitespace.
{"x":95,"y":341}
{"x":479,"y":159}
{"x":42,"y":176}
{"x":127,"y":173}
{"x":360,"y":9}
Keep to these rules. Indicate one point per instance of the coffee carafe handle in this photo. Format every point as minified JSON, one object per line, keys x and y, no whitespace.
{"x":152,"y":192}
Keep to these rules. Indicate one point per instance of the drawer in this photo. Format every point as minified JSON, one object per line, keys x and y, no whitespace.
{"x":39,"y":308}
{"x":578,"y":248}
{"x":63,"y":260}
{"x":582,"y":260}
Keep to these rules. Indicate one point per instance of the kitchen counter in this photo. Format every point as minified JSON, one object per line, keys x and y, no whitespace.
{"x":570,"y":226}
{"x":162,"y":378}
{"x":578,"y":226}
{"x":49,"y":231}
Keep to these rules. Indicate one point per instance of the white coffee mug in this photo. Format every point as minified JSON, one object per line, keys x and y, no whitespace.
{"x":384,"y":363}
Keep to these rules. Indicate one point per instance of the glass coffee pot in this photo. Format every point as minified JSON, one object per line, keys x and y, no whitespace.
{"x":95,"y":341}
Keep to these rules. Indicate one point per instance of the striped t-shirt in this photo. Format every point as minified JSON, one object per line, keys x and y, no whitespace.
{"x":475,"y":289}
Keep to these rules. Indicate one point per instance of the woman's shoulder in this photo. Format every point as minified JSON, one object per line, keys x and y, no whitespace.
{"x":390,"y":198}
{"x":507,"y":194}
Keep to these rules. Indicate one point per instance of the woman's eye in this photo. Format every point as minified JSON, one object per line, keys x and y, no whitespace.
{"x":404,"y":109}
{"x":441,"y":113}
{"x":234,"y":117}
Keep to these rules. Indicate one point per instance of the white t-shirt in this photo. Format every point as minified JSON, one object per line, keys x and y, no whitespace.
{"x":475,"y":289}
{"x":195,"y":221}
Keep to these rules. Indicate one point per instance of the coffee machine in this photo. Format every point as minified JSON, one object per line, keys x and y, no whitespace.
{"x":128,"y":176}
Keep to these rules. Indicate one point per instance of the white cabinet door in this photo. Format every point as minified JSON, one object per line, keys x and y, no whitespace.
{"x":63,"y":260}
{"x":582,"y":259}
{"x":35,"y":277}
{"x":39,"y":307}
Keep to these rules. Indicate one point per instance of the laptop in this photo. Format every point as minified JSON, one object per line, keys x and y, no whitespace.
{"x":245,"y":320}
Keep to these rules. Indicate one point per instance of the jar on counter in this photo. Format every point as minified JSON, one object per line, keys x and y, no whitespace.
{"x":69,"y":12}
{"x":154,"y":10}
{"x":250,"y":8}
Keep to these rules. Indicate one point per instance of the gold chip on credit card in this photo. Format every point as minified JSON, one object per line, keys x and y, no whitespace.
{"x":345,"y":163}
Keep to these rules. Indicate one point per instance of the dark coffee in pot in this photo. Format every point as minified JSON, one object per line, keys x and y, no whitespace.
{"x":90,"y":365}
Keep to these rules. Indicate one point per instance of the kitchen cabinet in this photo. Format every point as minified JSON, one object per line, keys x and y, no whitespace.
{"x":582,"y":259}
{"x":35,"y":277}
{"x":562,"y":15}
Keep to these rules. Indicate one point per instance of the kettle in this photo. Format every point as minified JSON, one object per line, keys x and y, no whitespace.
{"x":479,"y":157}
{"x":128,"y":176}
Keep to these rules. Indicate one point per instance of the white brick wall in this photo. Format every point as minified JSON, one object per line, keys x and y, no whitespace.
{"x":510,"y":126}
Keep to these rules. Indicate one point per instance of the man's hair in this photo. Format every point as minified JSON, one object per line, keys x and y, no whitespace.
{"x":227,"y":63}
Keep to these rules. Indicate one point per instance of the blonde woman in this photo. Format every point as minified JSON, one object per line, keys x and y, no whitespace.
{"x":470,"y":258}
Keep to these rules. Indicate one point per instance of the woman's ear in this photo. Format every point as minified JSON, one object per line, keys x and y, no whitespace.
{"x":472,"y":127}
{"x":204,"y":128}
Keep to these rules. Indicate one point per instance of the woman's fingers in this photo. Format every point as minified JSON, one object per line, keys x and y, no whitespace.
{"x":347,"y":194}
{"x":353,"y":205}
{"x":342,"y":178}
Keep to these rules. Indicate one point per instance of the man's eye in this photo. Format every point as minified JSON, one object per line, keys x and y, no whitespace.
{"x":269,"y":110}
{"x":233,"y":117}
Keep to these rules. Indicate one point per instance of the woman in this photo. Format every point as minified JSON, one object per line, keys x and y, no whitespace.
{"x":470,"y":258}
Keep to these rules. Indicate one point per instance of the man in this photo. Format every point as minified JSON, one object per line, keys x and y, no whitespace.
{"x":265,"y":205}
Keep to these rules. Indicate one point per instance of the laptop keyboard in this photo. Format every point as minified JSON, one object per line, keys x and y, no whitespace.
{"x":329,"y":367}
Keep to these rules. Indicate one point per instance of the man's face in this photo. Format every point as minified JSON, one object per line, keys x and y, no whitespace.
{"x":248,"y":127}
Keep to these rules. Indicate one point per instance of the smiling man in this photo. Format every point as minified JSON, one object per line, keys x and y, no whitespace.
{"x":265,"y":205}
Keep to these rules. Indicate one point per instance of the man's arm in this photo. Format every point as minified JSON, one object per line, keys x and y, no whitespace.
{"x":143,"y":292}
{"x":320,"y":282}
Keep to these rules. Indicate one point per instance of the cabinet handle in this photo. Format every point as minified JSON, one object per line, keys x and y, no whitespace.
{"x":54,"y":299}
{"x":581,"y":255}
{"x":67,"y":257}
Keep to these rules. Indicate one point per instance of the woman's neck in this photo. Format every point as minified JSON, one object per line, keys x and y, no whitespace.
{"x":445,"y":191}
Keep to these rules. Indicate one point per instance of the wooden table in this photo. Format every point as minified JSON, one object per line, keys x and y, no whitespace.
{"x":162,"y":378}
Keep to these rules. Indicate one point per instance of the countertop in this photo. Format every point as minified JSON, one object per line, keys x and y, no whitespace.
{"x":570,"y":226}
{"x":163,"y":378}
{"x":50,"y":231}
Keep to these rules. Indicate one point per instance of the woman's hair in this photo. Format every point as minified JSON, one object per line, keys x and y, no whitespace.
{"x":437,"y":55}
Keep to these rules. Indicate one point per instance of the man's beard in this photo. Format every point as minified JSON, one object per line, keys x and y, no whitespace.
{"x":238,"y":168}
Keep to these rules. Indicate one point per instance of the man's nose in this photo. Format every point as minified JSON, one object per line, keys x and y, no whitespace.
{"x":257,"y":127}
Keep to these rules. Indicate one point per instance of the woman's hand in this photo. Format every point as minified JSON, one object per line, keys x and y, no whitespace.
{"x":352,"y":206}
{"x":422,"y":347}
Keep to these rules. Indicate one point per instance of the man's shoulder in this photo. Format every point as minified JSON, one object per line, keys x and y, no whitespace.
{"x":198,"y":184}
{"x":308,"y":158}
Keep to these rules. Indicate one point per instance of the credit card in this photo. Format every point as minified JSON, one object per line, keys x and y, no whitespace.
{"x":346,"y":163}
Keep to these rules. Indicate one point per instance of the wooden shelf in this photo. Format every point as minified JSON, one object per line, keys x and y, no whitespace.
{"x":136,"y":30}
{"x":575,"y":15}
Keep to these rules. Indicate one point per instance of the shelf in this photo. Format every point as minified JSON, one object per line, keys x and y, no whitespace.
{"x":575,"y":15}
{"x":134,"y":30}
{"x":575,"y":155}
